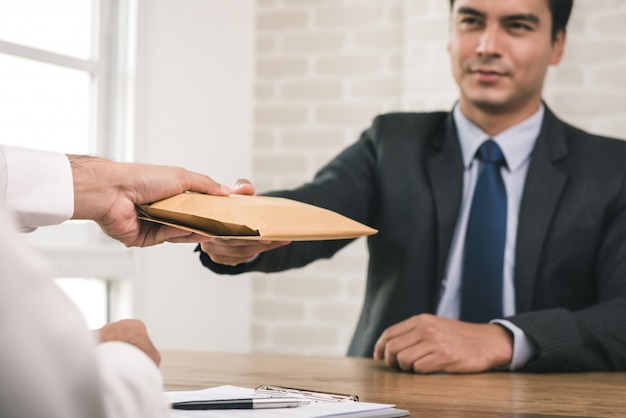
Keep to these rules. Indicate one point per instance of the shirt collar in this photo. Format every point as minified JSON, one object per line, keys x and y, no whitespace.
{"x":516,"y":143}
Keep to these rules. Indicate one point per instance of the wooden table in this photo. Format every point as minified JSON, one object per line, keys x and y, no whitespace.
{"x":485,"y":395}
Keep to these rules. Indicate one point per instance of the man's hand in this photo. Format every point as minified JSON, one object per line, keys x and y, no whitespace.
{"x":232,"y":252}
{"x":427,"y":344}
{"x":133,"y":332}
{"x":107,"y":192}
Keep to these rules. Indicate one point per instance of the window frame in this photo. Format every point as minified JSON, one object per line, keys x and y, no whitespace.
{"x":77,"y":248}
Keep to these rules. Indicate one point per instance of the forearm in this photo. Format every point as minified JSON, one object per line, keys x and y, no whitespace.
{"x":97,"y":183}
{"x":592,"y":339}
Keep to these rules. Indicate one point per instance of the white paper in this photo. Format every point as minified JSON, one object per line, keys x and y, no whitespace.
{"x":315,"y":409}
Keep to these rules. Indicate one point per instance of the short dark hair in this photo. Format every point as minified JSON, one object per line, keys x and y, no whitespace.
{"x":560,"y":10}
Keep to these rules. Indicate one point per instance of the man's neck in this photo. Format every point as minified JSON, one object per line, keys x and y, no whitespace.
{"x":493,"y":121}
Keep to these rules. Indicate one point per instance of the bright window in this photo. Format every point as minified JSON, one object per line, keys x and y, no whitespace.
{"x":64,"y":86}
{"x":44,"y":106}
{"x":60,"y":26}
{"x":91,"y":295}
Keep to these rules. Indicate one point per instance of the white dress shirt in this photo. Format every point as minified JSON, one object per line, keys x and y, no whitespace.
{"x":517,"y":144}
{"x":50,"y":364}
{"x":36,"y":185}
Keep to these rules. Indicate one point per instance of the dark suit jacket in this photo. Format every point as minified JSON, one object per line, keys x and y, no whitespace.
{"x":404,"y":177}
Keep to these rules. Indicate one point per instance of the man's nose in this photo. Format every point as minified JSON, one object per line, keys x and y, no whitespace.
{"x":489,"y":43}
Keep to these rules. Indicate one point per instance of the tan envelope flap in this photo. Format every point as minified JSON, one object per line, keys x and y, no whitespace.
{"x":252,"y":217}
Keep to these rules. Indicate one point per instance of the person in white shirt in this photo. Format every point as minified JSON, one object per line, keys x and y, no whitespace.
{"x":50,"y":364}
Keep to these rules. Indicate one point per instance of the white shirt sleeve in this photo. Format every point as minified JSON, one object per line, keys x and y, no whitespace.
{"x":130,"y":382}
{"x":36,"y":185}
{"x":50,"y":365}
{"x":523,"y":347}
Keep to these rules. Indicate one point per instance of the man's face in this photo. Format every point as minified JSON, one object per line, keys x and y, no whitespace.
{"x":500,"y":51}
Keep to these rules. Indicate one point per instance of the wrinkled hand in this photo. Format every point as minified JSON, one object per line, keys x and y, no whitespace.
{"x":427,"y":344}
{"x":231,"y":252}
{"x":107,"y":192}
{"x":133,"y":332}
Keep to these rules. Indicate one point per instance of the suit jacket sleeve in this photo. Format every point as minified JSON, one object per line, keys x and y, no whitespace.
{"x":346,"y":185}
{"x":583,"y":336}
{"x":571,"y":296}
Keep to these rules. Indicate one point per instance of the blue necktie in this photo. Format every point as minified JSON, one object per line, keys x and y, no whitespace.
{"x":483,"y":261}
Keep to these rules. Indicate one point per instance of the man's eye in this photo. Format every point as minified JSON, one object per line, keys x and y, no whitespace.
{"x":469,"y":20}
{"x":520,"y":26}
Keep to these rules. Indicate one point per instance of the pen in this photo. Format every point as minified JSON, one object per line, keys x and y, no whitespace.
{"x":249,"y":403}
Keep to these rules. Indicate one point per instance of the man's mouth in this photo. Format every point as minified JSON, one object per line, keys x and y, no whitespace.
{"x":488,"y":74}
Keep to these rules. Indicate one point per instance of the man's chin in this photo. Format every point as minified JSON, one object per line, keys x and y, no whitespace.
{"x":492,"y":105}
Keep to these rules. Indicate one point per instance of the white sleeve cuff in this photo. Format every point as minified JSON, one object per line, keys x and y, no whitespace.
{"x":132,"y":386}
{"x":523,"y":348}
{"x":39,"y":186}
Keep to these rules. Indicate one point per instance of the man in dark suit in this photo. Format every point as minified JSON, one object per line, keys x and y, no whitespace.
{"x":561,"y":286}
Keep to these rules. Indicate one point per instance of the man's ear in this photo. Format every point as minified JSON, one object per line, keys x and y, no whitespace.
{"x":558,"y":47}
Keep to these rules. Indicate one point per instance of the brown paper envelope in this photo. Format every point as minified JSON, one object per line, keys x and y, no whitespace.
{"x":252,"y":217}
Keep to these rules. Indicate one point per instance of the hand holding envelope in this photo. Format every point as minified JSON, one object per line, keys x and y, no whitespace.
{"x":269,"y":221}
{"x":252,"y":218}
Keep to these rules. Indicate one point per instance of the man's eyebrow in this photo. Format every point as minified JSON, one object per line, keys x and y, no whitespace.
{"x":464,"y":10}
{"x":528,"y":17}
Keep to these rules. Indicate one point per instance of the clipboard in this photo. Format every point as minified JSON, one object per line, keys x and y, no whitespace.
{"x":322,"y":405}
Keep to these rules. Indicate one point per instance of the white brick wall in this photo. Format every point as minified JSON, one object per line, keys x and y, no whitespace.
{"x":325,"y":68}
{"x":588,"y":89}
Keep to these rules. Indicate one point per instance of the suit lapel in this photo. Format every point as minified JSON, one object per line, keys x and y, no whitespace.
{"x":445,"y":171}
{"x":542,"y":192}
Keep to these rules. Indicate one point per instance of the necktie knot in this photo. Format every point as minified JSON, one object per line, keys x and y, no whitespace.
{"x":490,"y":153}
